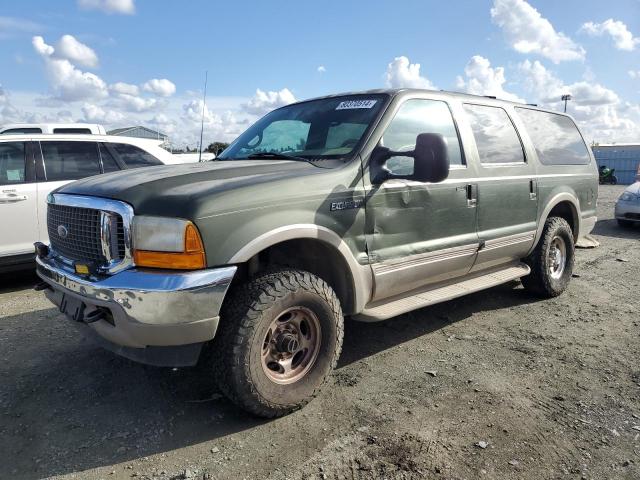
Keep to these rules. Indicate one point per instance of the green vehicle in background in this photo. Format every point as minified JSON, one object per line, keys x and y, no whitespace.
{"x":366,"y":204}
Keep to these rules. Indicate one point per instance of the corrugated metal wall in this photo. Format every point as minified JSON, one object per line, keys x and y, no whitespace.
{"x":625,"y":159}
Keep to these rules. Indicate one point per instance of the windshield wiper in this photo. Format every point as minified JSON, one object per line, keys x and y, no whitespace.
{"x":281,"y":156}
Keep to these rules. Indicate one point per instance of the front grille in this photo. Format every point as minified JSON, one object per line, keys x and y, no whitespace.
{"x":120,"y":243}
{"x":82,"y":240}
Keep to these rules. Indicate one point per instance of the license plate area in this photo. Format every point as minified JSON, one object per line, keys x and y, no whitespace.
{"x":72,"y":307}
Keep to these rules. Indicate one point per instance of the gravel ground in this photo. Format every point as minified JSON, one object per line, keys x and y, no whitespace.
{"x":494,"y":385}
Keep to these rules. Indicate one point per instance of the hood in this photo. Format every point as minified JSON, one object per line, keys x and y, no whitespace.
{"x":186,"y":190}
{"x":633,"y":188}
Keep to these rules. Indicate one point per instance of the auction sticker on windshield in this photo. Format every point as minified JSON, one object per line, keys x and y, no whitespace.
{"x":351,"y":104}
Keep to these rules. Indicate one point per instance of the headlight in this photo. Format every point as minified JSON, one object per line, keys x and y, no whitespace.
{"x":627,"y":197}
{"x":161,"y":242}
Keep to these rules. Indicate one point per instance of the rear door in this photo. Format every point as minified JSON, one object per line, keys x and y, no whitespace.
{"x":18,"y":199}
{"x":507,"y":187}
{"x":59,"y":163}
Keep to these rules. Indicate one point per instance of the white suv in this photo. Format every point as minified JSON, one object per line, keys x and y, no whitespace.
{"x":31,"y":166}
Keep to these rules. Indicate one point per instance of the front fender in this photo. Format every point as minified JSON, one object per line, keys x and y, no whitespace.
{"x":361,"y":274}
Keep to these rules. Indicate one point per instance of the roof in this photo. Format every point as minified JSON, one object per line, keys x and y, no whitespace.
{"x":614,"y":145}
{"x":120,"y":131}
{"x":444,"y":93}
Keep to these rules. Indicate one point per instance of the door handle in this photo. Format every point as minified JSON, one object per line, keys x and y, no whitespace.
{"x":472,"y":196}
{"x":533,"y":189}
{"x":12,"y":198}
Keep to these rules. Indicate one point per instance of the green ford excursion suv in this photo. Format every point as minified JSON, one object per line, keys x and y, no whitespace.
{"x":365,"y":204}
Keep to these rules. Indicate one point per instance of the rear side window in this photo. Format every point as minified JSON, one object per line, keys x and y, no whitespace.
{"x":555,"y":137}
{"x":133,"y":156}
{"x":70,"y":160}
{"x":71,"y":130}
{"x":12,"y":163}
{"x":108,"y":162}
{"x":26,"y":130}
{"x":496,"y":137}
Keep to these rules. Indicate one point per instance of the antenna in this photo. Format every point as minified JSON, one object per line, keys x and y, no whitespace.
{"x":204,"y":105}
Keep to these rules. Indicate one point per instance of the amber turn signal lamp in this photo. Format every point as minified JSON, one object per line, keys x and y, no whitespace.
{"x":192,"y":258}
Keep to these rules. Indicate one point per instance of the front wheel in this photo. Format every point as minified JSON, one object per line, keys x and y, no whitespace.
{"x":552,"y":260}
{"x":279,"y":338}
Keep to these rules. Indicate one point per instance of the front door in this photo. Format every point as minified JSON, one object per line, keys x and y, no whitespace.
{"x":420,"y":233}
{"x":18,"y":200}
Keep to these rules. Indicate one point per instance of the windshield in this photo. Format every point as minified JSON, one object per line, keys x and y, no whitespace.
{"x":330,"y":128}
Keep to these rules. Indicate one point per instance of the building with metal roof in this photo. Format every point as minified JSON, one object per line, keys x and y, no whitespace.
{"x":624,"y":157}
{"x":140,"y":132}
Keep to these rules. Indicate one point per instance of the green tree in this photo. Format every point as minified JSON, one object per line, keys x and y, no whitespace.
{"x":217,"y":147}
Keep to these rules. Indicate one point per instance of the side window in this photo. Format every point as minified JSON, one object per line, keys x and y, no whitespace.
{"x":12,"y":163}
{"x":555,"y":137}
{"x":72,"y":130}
{"x":108,"y":162}
{"x":70,"y":160}
{"x":415,"y":117}
{"x":25,"y":130}
{"x":496,"y":137}
{"x":134,"y":157}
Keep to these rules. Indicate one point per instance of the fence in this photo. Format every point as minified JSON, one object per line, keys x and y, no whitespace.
{"x":624,"y":158}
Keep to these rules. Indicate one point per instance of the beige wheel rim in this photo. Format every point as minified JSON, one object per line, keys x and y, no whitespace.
{"x":291,"y":345}
{"x":557,"y":257}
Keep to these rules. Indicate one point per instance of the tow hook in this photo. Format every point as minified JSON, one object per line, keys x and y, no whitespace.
{"x":38,"y":287}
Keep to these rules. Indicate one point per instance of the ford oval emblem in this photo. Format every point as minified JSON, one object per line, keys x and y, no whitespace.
{"x":62,"y":231}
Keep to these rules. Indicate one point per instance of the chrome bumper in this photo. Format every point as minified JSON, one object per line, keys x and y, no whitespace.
{"x":144,"y":307}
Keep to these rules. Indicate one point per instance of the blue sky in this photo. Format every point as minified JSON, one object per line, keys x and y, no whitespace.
{"x":96,"y":60}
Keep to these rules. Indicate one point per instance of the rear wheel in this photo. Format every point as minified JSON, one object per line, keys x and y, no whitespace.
{"x":552,"y":260}
{"x":279,"y":338}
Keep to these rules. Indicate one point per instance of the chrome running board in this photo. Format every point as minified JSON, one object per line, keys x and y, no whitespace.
{"x":399,"y":304}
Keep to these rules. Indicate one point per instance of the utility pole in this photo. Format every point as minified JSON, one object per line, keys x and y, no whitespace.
{"x":204,"y":104}
{"x":566,"y":98}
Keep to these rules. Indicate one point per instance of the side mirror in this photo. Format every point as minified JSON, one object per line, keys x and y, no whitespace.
{"x":430,"y":160}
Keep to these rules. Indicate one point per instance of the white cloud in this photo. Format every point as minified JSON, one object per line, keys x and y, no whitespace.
{"x":76,"y":52}
{"x":623,"y":39}
{"x":125,"y":7}
{"x":634,"y":73}
{"x":529,"y":32}
{"x":263,"y":102}
{"x":134,"y":103}
{"x":96,"y":114}
{"x":482,"y":79}
{"x":67,"y":82}
{"x":403,"y":74}
{"x":40,"y":47}
{"x":599,"y":111}
{"x":321,"y":69}
{"x":160,"y":86}
{"x":549,"y":89}
{"x":126,"y":88}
